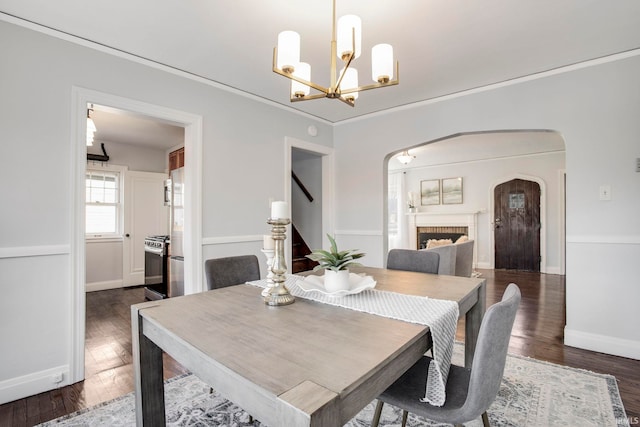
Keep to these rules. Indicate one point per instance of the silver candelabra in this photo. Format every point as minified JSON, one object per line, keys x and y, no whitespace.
{"x":278,"y":294}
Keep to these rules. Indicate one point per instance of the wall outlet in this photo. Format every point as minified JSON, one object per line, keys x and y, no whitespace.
{"x":605,"y":192}
{"x":638,"y":164}
{"x":57,"y":378}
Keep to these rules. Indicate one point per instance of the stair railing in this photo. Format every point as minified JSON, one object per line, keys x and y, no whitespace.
{"x":302,"y":187}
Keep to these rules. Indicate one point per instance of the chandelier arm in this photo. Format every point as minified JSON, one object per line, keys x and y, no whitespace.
{"x":376,"y":85}
{"x":369,"y":87}
{"x":350,"y":103}
{"x":337,"y":88}
{"x":296,"y":78}
{"x":351,"y":57}
{"x":308,"y":97}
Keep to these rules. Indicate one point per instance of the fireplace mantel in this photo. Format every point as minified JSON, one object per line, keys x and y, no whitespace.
{"x":426,"y":219}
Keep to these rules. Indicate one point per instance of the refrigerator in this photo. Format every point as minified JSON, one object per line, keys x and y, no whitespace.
{"x":176,"y":261}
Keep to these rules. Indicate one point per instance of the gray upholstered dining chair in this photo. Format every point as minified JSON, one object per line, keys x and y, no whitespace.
{"x":413,"y":260}
{"x":464,"y":258}
{"x":228,"y":271}
{"x":447,"y":263}
{"x":469,"y":392}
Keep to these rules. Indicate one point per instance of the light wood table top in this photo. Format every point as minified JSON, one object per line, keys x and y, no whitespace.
{"x":302,"y":364}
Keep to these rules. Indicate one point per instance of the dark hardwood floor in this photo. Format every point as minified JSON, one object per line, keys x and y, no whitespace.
{"x":537,"y":333}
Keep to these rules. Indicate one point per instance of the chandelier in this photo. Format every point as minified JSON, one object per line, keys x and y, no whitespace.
{"x":405,"y":158}
{"x":346,"y":43}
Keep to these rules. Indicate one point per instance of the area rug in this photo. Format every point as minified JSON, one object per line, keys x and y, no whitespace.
{"x":533,"y":393}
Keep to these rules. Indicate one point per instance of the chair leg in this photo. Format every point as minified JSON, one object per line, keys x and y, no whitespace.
{"x":377,"y":413}
{"x":404,"y":418}
{"x":485,"y":419}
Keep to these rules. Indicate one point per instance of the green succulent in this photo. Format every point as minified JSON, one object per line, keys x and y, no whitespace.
{"x":334,"y":260}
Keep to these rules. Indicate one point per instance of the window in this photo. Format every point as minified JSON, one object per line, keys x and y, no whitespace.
{"x":103,"y":203}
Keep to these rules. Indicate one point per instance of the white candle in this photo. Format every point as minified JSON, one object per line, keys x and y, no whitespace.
{"x":267,"y":242}
{"x":279,"y":210}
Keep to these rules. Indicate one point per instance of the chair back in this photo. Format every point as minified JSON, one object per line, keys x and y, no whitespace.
{"x":235,"y":270}
{"x":491,"y":352}
{"x":464,"y":258}
{"x":413,"y":260}
{"x":447,"y":264}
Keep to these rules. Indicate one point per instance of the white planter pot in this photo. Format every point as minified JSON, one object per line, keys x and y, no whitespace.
{"x":335,"y":281}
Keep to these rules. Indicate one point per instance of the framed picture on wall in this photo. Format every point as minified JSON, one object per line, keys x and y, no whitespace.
{"x":451,"y":191}
{"x":430,"y":192}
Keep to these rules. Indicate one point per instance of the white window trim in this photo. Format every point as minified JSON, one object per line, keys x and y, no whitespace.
{"x":121,"y":170}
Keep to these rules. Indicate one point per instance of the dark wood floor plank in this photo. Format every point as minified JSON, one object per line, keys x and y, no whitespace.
{"x":538,"y":332}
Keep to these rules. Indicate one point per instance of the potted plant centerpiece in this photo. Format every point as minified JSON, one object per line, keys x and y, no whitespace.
{"x":335,"y":265}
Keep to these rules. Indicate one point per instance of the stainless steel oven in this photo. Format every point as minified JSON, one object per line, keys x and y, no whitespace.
{"x":156,"y":267}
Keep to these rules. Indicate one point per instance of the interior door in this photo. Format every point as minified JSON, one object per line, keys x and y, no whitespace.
{"x":145,"y":215}
{"x":517,"y":225}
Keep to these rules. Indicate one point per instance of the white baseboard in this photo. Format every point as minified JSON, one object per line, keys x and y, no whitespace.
{"x":602,"y":343}
{"x":487,"y":266}
{"x":553,"y":270}
{"x":103,"y":286}
{"x":37,"y":382}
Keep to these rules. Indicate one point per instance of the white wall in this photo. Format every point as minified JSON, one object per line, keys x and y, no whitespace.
{"x":38,"y":73}
{"x":595,"y":110}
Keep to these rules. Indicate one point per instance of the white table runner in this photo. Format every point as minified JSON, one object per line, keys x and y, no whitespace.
{"x":441,"y":316}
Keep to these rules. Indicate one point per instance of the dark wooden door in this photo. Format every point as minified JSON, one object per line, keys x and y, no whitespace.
{"x":517,"y":225}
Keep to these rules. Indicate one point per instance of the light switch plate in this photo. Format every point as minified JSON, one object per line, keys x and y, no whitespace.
{"x":605,"y":192}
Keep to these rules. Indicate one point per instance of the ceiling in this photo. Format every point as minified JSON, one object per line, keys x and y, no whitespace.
{"x":443,"y":46}
{"x":124,"y":127}
{"x":478,"y":146}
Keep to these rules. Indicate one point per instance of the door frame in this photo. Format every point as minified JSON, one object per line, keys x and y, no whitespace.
{"x":543,"y":217}
{"x":328,"y":161}
{"x":80,"y":98}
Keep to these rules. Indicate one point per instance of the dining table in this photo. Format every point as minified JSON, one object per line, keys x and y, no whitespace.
{"x":302,"y":364}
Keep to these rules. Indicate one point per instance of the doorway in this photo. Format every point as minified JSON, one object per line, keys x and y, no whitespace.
{"x":192,"y":125}
{"x":315,"y":164}
{"x":517,"y":225}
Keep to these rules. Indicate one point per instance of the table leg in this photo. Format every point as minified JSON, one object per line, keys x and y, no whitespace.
{"x":149,"y":385}
{"x":473,"y":320}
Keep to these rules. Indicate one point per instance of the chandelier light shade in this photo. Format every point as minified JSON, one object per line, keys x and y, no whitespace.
{"x":349,"y":37}
{"x":349,"y":82}
{"x":382,"y":63}
{"x":288,"y":51}
{"x":346,"y":45}
{"x":303,"y":71}
{"x":405,"y":158}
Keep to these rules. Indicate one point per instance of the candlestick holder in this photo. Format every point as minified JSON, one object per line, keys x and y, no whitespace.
{"x":278,"y":294}
{"x":268,"y":253}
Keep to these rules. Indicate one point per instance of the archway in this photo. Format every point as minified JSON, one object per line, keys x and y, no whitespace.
{"x":481,"y":159}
